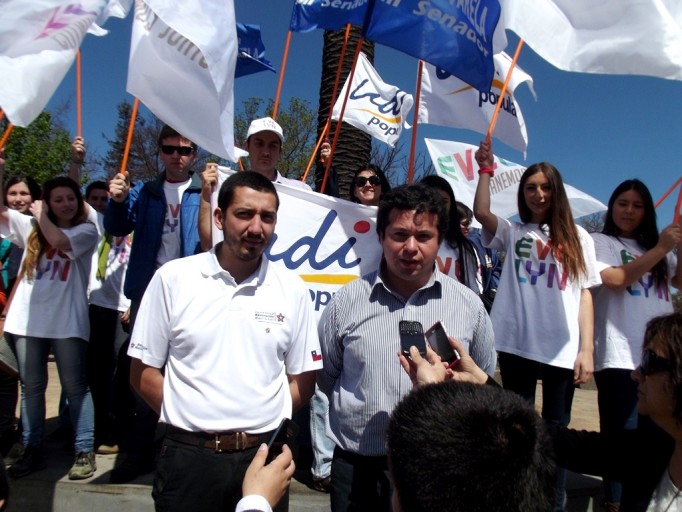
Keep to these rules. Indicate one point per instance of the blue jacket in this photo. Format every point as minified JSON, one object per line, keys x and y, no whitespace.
{"x":144,"y":211}
{"x":491,"y":266}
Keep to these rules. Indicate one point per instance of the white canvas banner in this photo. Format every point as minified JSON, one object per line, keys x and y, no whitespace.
{"x":455,"y":162}
{"x":38,"y":44}
{"x":630,"y":37}
{"x":448,"y":101}
{"x":374,"y":106}
{"x":182,"y":61}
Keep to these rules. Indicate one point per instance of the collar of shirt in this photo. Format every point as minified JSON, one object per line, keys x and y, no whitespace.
{"x":377,"y":278}
{"x":210,"y":268}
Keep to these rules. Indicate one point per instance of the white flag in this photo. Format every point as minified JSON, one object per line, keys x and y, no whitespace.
{"x":630,"y":37}
{"x":182,"y":60}
{"x":373,"y":106}
{"x":448,"y":101}
{"x":455,"y":162}
{"x":38,"y":44}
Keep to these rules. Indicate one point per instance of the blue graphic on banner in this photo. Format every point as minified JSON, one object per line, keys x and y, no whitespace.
{"x":251,"y":54}
{"x":327,"y":14}
{"x":454,"y":36}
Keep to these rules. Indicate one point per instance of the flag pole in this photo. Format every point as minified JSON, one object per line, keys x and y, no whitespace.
{"x":337,"y":132}
{"x":5,"y":135}
{"x":312,"y":157}
{"x":332,"y":102}
{"x":678,"y":182}
{"x":283,"y":67}
{"x":129,"y":139}
{"x":496,"y":113}
{"x":678,"y":205}
{"x":79,"y":117}
{"x":415,"y":122}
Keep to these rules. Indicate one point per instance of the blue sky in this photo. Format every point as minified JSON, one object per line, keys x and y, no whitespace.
{"x":597,"y":129}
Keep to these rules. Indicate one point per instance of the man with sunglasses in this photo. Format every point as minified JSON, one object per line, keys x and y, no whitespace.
{"x":163,"y":213}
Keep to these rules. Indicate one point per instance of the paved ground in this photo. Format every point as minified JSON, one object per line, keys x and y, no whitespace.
{"x":50,"y":489}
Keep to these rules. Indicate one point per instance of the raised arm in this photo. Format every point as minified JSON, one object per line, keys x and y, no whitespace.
{"x":52,"y":233}
{"x":619,"y":278}
{"x":77,"y":159}
{"x":209,"y":180}
{"x":485,"y":160}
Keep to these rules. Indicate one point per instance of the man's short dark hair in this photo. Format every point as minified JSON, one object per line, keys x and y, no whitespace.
{"x":468,"y":448}
{"x":95,"y":185}
{"x":168,"y":132}
{"x":420,"y":198}
{"x":249,"y":179}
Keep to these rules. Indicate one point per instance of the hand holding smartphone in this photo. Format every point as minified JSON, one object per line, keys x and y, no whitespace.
{"x":411,"y":335}
{"x":438,"y":339}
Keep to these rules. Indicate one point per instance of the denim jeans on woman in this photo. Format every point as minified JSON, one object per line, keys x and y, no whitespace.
{"x":70,"y":356}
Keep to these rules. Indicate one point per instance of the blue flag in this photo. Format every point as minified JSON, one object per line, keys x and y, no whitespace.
{"x":454,"y":36}
{"x":310,"y":15}
{"x":251,"y":51}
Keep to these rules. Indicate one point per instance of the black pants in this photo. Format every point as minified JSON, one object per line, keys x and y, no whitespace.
{"x":197,"y":478}
{"x":359,"y":483}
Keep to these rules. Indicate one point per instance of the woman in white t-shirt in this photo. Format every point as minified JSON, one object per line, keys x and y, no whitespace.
{"x":50,"y":311}
{"x":636,"y":266}
{"x":542,"y":315}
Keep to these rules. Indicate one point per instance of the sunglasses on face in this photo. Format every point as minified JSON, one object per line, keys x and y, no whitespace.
{"x":653,"y":363}
{"x":373,"y":180}
{"x":182,"y":150}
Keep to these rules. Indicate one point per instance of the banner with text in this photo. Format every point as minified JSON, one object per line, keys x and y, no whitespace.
{"x":326,"y":14}
{"x":182,"y":66}
{"x":373,"y":106}
{"x":455,"y":162}
{"x":448,"y":101}
{"x":455,"y":36}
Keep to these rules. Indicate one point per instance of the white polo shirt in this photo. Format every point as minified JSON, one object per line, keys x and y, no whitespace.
{"x":227,"y":347}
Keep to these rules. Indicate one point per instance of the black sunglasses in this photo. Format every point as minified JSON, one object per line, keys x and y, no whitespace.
{"x":182,"y":150}
{"x":653,"y":363}
{"x":361,"y":180}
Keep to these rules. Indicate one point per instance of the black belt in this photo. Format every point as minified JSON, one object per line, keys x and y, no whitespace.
{"x":219,"y":441}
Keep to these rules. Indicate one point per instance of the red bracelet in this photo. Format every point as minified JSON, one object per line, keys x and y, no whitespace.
{"x":486,"y":170}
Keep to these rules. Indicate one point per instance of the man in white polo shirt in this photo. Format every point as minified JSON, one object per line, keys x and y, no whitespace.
{"x":237,"y":336}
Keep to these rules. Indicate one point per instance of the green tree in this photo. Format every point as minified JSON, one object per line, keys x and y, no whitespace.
{"x":41,"y":150}
{"x":143,"y":160}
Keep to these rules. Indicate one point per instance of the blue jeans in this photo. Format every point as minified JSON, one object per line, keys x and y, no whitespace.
{"x":520,"y":375}
{"x":323,"y":446}
{"x":70,"y":355}
{"x":617,"y":400}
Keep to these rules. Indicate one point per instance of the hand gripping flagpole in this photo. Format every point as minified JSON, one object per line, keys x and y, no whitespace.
{"x":129,"y":139}
{"x":496,"y":113}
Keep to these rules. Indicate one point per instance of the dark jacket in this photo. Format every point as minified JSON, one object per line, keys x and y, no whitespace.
{"x":637,"y":458}
{"x":144,"y":211}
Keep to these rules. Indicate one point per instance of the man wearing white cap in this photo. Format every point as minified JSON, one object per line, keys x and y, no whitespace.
{"x":264,"y":143}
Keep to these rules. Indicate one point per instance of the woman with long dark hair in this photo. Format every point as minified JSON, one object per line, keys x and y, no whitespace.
{"x":542,"y":315}
{"x":637,"y":267}
{"x":50,"y":312}
{"x":456,"y":248}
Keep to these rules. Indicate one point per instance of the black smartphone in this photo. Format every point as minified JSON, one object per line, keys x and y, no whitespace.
{"x":285,"y":433}
{"x":411,"y":335}
{"x":438,"y":339}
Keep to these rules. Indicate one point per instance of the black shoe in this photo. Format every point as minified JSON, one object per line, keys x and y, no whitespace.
{"x":32,"y":460}
{"x":128,"y":471}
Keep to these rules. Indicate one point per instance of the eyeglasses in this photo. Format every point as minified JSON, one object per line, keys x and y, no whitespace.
{"x":653,"y":363}
{"x":373,"y":180}
{"x":182,"y":150}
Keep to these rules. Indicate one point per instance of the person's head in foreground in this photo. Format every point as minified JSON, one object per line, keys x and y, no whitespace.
{"x":660,"y":372}
{"x":466,"y":447}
